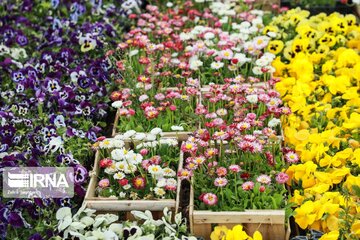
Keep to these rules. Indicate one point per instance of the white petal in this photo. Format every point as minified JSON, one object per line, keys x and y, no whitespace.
{"x":65,"y":223}
{"x":63,"y":212}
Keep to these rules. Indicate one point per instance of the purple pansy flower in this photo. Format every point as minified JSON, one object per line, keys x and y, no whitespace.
{"x":22,"y":40}
{"x":17,"y":76}
{"x":80,"y":174}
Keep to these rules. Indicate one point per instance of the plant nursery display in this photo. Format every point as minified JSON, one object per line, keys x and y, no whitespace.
{"x":182,"y":119}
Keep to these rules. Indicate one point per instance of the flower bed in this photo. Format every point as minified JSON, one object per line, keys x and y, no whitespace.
{"x":167,"y":59}
{"x":320,"y":81}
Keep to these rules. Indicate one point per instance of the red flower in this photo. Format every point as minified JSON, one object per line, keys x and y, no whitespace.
{"x":139,"y":183}
{"x":106,"y":162}
{"x":123,"y":182}
{"x":101,"y":138}
{"x":132,"y":16}
{"x":115,"y":96}
{"x":245,"y":175}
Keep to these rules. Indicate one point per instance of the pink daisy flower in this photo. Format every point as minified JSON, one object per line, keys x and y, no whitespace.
{"x":210,"y":199}
{"x":249,"y":185}
{"x":220,"y":182}
{"x":291,"y":157}
{"x":264,"y":179}
{"x":282,"y":178}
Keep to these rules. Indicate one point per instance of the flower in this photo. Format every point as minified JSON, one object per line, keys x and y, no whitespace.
{"x":189,"y":146}
{"x":123,"y":182}
{"x":235,"y":168}
{"x":264,"y":179}
{"x":155,"y":170}
{"x":291,"y":157}
{"x":220,"y":182}
{"x":282,"y":178}
{"x":159,"y":191}
{"x":219,"y":233}
{"x":221,"y":171}
{"x":217,"y":65}
{"x":210,"y":199}
{"x":177,"y":128}
{"x":106,"y":162}
{"x":253,"y":98}
{"x":104,"y":183}
{"x":274,"y":122}
{"x":139,"y":183}
{"x":247,"y":185}
{"x":117,"y":104}
{"x":185,"y":174}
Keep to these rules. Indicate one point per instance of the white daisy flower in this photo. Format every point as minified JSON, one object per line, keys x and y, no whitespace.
{"x":216,"y":65}
{"x":119,"y":175}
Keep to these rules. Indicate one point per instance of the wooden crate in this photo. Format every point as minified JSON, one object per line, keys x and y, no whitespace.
{"x":104,"y":204}
{"x":271,"y":223}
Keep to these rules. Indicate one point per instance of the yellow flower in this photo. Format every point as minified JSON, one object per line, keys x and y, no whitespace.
{"x":356,"y":71}
{"x":302,"y":135}
{"x":305,"y":214}
{"x":336,"y":84}
{"x":350,"y":182}
{"x":356,"y":157}
{"x":332,"y":222}
{"x":347,"y":58}
{"x":297,"y":198}
{"x":285,"y":84}
{"x":326,"y":27}
{"x":257,"y":236}
{"x":275,"y":46}
{"x":327,"y":40}
{"x":355,"y":228}
{"x":333,"y":235}
{"x":338,"y":175}
{"x":350,"y":20}
{"x":237,"y":233}
{"x":340,"y":25}
{"x":350,"y":93}
{"x":328,"y":66}
{"x":270,"y":28}
{"x":279,"y":66}
{"x":302,"y":68}
{"x":219,"y":233}
{"x":319,"y":188}
{"x":289,"y":54}
{"x":300,"y":45}
{"x":328,"y":161}
{"x":353,"y":122}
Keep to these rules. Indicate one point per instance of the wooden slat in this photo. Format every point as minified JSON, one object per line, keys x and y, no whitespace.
{"x":178,"y":187}
{"x":129,"y":205}
{"x":90,"y":192}
{"x":116,"y":122}
{"x":248,"y":216}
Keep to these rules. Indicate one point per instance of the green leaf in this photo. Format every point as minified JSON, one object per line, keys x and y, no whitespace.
{"x":356,"y":189}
